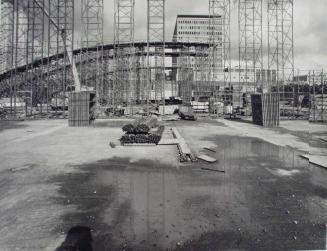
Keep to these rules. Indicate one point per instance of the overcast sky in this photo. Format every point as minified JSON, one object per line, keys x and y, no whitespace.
{"x":310,"y":26}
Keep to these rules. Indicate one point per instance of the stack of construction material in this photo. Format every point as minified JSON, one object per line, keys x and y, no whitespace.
{"x":81,"y":108}
{"x":186,"y":113}
{"x":3,"y":113}
{"x":141,"y":132}
{"x":141,"y":126}
{"x":318,"y":112}
{"x":266,"y":109}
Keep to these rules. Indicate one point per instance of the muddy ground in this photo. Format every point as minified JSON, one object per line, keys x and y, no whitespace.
{"x":61,"y":184}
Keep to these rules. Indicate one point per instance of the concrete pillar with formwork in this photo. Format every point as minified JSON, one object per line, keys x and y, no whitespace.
{"x":318,"y":111}
{"x":81,"y":108}
{"x":266,"y":109}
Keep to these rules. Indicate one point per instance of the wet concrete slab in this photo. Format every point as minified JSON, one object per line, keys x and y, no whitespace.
{"x":63,"y":184}
{"x":7,"y":125}
{"x":267,"y":199}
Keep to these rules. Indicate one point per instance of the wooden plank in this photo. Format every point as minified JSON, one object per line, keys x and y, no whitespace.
{"x":266,"y":109}
{"x":209,"y":149}
{"x":316,"y":159}
{"x":213,"y":170}
{"x":176,"y":133}
{"x":207,"y":158}
{"x":182,"y":146}
{"x":140,"y":144}
{"x":324,"y":139}
{"x":169,"y":142}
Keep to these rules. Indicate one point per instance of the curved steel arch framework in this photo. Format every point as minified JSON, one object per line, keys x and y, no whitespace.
{"x":36,"y":67}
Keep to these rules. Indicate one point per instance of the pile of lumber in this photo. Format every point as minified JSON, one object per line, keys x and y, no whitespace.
{"x":140,"y":139}
{"x":141,"y":131}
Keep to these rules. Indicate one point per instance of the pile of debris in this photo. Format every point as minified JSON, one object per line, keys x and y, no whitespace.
{"x":142,"y":131}
{"x":186,"y":113}
{"x":3,"y":113}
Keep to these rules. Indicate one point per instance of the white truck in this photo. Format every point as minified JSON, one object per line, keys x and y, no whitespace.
{"x":201,"y":104}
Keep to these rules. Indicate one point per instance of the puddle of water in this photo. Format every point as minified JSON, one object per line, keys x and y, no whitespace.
{"x":281,"y":172}
{"x":149,"y":206}
{"x":9,"y":125}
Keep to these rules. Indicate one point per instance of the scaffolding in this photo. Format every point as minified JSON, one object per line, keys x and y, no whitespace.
{"x":156,"y":34}
{"x":7,"y":56}
{"x":34,"y":31}
{"x":92,"y":62}
{"x":281,"y":51}
{"x":29,"y":37}
{"x":317,"y":81}
{"x":220,"y":48}
{"x":203,"y":86}
{"x":250,"y":42}
{"x":124,"y":54}
{"x":250,"y":68}
{"x":37,"y":43}
{"x":280,"y":41}
{"x":6,"y":28}
{"x":185,"y":76}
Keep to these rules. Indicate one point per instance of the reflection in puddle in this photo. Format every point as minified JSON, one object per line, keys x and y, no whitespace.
{"x":281,"y":172}
{"x":264,"y":190}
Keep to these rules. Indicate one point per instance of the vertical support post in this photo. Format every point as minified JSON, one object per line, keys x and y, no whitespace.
{"x":281,"y":43}
{"x":220,"y":44}
{"x":250,"y":47}
{"x":92,"y":28}
{"x":7,"y":27}
{"x":156,"y":34}
{"x":124,"y":53}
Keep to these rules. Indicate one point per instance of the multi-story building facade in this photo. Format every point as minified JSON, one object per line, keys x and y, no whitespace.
{"x":199,"y":29}
{"x":196,"y":28}
{"x":313,"y":77}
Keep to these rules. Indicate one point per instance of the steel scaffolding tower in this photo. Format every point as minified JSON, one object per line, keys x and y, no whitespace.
{"x":124,"y":78}
{"x":201,"y":72}
{"x":250,"y":43}
{"x":185,"y":75}
{"x":62,"y":42}
{"x":34,"y":22}
{"x":20,"y":52}
{"x":220,"y":44}
{"x":7,"y":28}
{"x":216,"y":29}
{"x":156,"y":34}
{"x":35,"y":31}
{"x":5,"y":23}
{"x":92,"y":36}
{"x":280,"y":41}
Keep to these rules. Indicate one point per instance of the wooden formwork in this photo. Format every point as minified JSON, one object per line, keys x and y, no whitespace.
{"x":81,"y":108}
{"x":266,"y":109}
{"x":318,"y":112}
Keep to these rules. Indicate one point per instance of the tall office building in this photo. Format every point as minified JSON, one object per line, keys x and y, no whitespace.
{"x":196,"y":28}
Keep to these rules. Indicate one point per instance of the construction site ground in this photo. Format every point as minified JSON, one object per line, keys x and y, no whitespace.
{"x":267,"y":197}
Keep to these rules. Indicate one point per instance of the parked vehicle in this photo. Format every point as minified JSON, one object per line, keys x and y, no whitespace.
{"x":201,"y":104}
